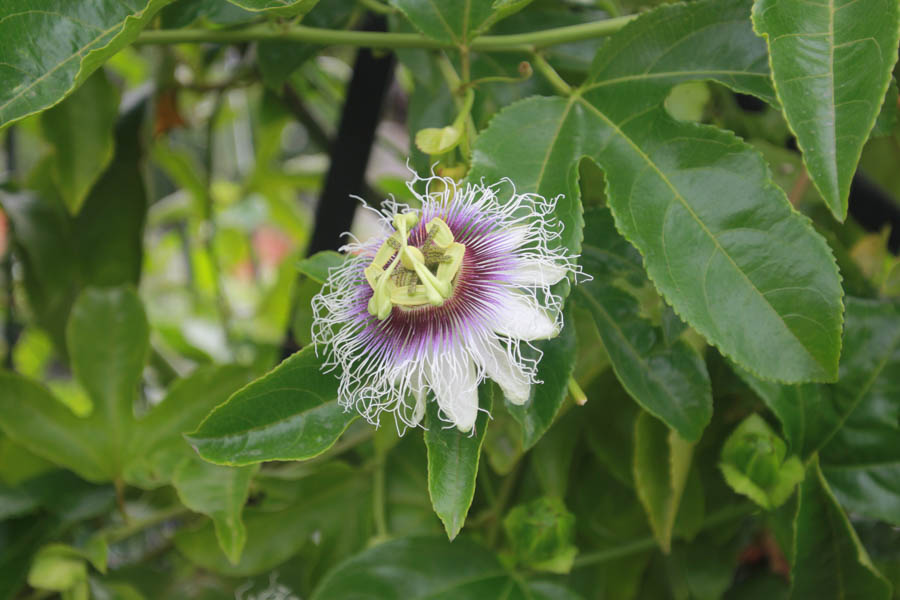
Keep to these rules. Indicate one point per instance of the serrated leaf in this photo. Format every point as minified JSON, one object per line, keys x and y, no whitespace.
{"x":831,"y":63}
{"x":749,"y":274}
{"x":219,"y":492}
{"x":829,"y":560}
{"x":662,"y":462}
{"x":451,"y":22}
{"x":669,"y":381}
{"x":50,"y":47}
{"x":80,"y":129}
{"x":281,"y":8}
{"x":557,"y":364}
{"x":432,"y":568}
{"x":453,"y":459}
{"x":291,"y":413}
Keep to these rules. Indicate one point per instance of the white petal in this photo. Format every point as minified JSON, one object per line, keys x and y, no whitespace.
{"x":500,"y":367}
{"x":521,"y":317}
{"x":454,"y":381}
{"x":538,"y":272}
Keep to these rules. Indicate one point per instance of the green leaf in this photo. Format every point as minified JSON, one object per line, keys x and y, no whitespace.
{"x":291,"y":413}
{"x":662,"y":461}
{"x":557,"y":364}
{"x":34,"y":418}
{"x":48,"y":48}
{"x":57,"y":567}
{"x":829,"y":560}
{"x":451,"y":22}
{"x":887,"y":118}
{"x":431,"y":568}
{"x":316,"y":267}
{"x":109,"y":341}
{"x":831,"y":63}
{"x":220,"y":493}
{"x":541,"y":533}
{"x":862,"y":459}
{"x":754,"y":464}
{"x":281,"y":8}
{"x":80,"y":129}
{"x":749,"y":274}
{"x":158,"y":446}
{"x":102,"y":246}
{"x":438,"y":140}
{"x":335,"y":502}
{"x":669,"y":381}
{"x":453,"y":459}
{"x":854,"y":424}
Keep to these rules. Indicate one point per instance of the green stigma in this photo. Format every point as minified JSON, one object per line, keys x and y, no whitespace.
{"x":417,"y":276}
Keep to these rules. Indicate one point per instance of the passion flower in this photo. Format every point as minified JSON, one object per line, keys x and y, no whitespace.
{"x":447,"y":295}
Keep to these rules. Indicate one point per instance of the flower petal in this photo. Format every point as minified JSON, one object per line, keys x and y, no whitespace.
{"x":505,"y":372}
{"x":454,"y":381}
{"x":536,"y":272}
{"x":521,"y":317}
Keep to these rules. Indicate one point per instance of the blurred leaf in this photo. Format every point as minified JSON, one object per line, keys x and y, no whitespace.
{"x":551,"y":460}
{"x":669,"y":381}
{"x":109,"y":341}
{"x":101,"y":246}
{"x":431,"y":568}
{"x":722,"y":266}
{"x":316,"y":267}
{"x":557,"y":363}
{"x":453,"y":459}
{"x":541,"y":533}
{"x":158,"y":446}
{"x":49,"y":48}
{"x":831,"y":64}
{"x":662,"y":462}
{"x":59,"y":568}
{"x":281,"y":8}
{"x":80,"y":129}
{"x":755,"y":464}
{"x":277,"y":60}
{"x":829,"y":560}
{"x":291,"y":413}
{"x":330,"y":511}
{"x":220,"y":493}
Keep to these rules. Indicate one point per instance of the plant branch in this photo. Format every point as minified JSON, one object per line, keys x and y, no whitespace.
{"x":519,"y":42}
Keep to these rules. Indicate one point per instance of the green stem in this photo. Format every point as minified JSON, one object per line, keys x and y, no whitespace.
{"x":637,"y":546}
{"x":550,"y":74}
{"x":378,"y":500}
{"x":377,"y":7}
{"x":519,"y":42}
{"x":509,"y":483}
{"x":576,"y":392}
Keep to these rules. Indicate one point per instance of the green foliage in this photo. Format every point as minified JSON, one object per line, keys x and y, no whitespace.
{"x":717,"y":418}
{"x":40,"y":70}
{"x":816,"y":51}
{"x":754,"y":464}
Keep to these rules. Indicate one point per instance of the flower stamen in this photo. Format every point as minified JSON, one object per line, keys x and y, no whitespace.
{"x":424,"y":274}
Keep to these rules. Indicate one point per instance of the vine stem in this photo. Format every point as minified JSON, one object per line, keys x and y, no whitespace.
{"x":518,"y":42}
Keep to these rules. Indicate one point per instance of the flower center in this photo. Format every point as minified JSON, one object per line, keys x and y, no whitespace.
{"x":417,"y":276}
